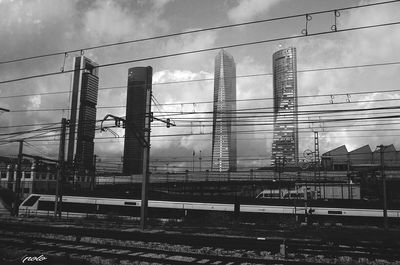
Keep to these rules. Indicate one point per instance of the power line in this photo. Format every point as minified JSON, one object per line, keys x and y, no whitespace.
{"x":173,"y":113}
{"x":113,"y":140}
{"x":258,"y":122}
{"x":205,"y":50}
{"x":240,"y":76}
{"x":66,"y":52}
{"x":209,"y":133}
{"x":29,"y":125}
{"x":245,"y":111}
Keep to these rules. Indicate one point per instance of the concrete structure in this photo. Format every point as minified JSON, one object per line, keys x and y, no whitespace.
{"x":139,"y":79}
{"x":347,"y":191}
{"x":224,"y":153}
{"x":37,"y":176}
{"x":83,"y":114}
{"x":34,"y":176}
{"x":285,"y":145}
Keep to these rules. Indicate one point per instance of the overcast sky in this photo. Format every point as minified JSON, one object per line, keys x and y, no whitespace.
{"x":35,"y":27}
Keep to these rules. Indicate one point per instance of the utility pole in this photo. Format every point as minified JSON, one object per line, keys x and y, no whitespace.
{"x":93,"y":180}
{"x":17,"y":187}
{"x":317,"y":172}
{"x":385,"y":220}
{"x":200,"y":160}
{"x":194,"y":153}
{"x":60,"y":170}
{"x":143,"y":136}
{"x":278,"y":169}
{"x":146,"y":159}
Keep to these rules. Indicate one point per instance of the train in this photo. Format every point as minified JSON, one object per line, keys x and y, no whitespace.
{"x":74,"y":206}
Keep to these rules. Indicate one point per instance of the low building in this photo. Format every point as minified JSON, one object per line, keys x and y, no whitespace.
{"x":336,"y":159}
{"x":340,"y":159}
{"x":37,"y":176}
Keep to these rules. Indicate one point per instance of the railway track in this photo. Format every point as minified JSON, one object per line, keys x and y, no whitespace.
{"x":50,"y":247}
{"x":80,"y":241}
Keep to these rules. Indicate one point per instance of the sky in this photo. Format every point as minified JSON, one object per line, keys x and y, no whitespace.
{"x":35,"y":27}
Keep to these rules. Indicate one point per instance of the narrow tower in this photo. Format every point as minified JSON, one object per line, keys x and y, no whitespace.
{"x":285,"y":145}
{"x":83,"y":114}
{"x":139,"y":80}
{"x":224,"y":114}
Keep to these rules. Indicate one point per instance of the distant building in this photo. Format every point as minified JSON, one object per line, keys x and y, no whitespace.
{"x":139,"y":80}
{"x":360,"y":158}
{"x":83,"y":114}
{"x":36,"y":176}
{"x":285,"y":145}
{"x":224,"y":114}
{"x":335,"y":159}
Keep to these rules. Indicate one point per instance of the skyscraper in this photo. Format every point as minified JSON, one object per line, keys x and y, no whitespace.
{"x":84,"y":94}
{"x":285,"y":145}
{"x":224,"y":114}
{"x":139,"y":80}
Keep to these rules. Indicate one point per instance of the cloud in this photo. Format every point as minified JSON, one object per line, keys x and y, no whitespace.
{"x":108,"y":21}
{"x":161,"y":3}
{"x":190,"y":42}
{"x":250,"y":9}
{"x":170,"y":95}
{"x":39,"y":27}
{"x":345,"y":49}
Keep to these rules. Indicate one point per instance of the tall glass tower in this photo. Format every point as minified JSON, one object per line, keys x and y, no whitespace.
{"x":83,"y":113}
{"x":224,"y":114}
{"x":285,"y":145}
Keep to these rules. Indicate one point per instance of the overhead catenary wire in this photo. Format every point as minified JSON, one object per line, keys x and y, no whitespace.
{"x":178,"y":113}
{"x":46,"y":138}
{"x":66,"y":52}
{"x":255,"y":113}
{"x":204,"y":50}
{"x":345,"y":67}
{"x":270,"y":115}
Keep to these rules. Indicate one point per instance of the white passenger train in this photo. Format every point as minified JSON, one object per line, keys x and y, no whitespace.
{"x":73,"y":206}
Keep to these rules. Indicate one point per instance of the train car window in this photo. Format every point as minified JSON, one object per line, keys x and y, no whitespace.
{"x":118,"y":210}
{"x":46,"y":206}
{"x":334,"y":212}
{"x":31,"y":201}
{"x":130,"y":203}
{"x":78,"y":207}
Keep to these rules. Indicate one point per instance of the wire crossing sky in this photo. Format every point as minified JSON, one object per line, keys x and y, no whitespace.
{"x":347,"y":58}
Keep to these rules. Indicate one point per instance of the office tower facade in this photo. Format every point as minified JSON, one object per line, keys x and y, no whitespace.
{"x":285,"y":145}
{"x":83,"y":114}
{"x":139,"y":80}
{"x":224,"y":114}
